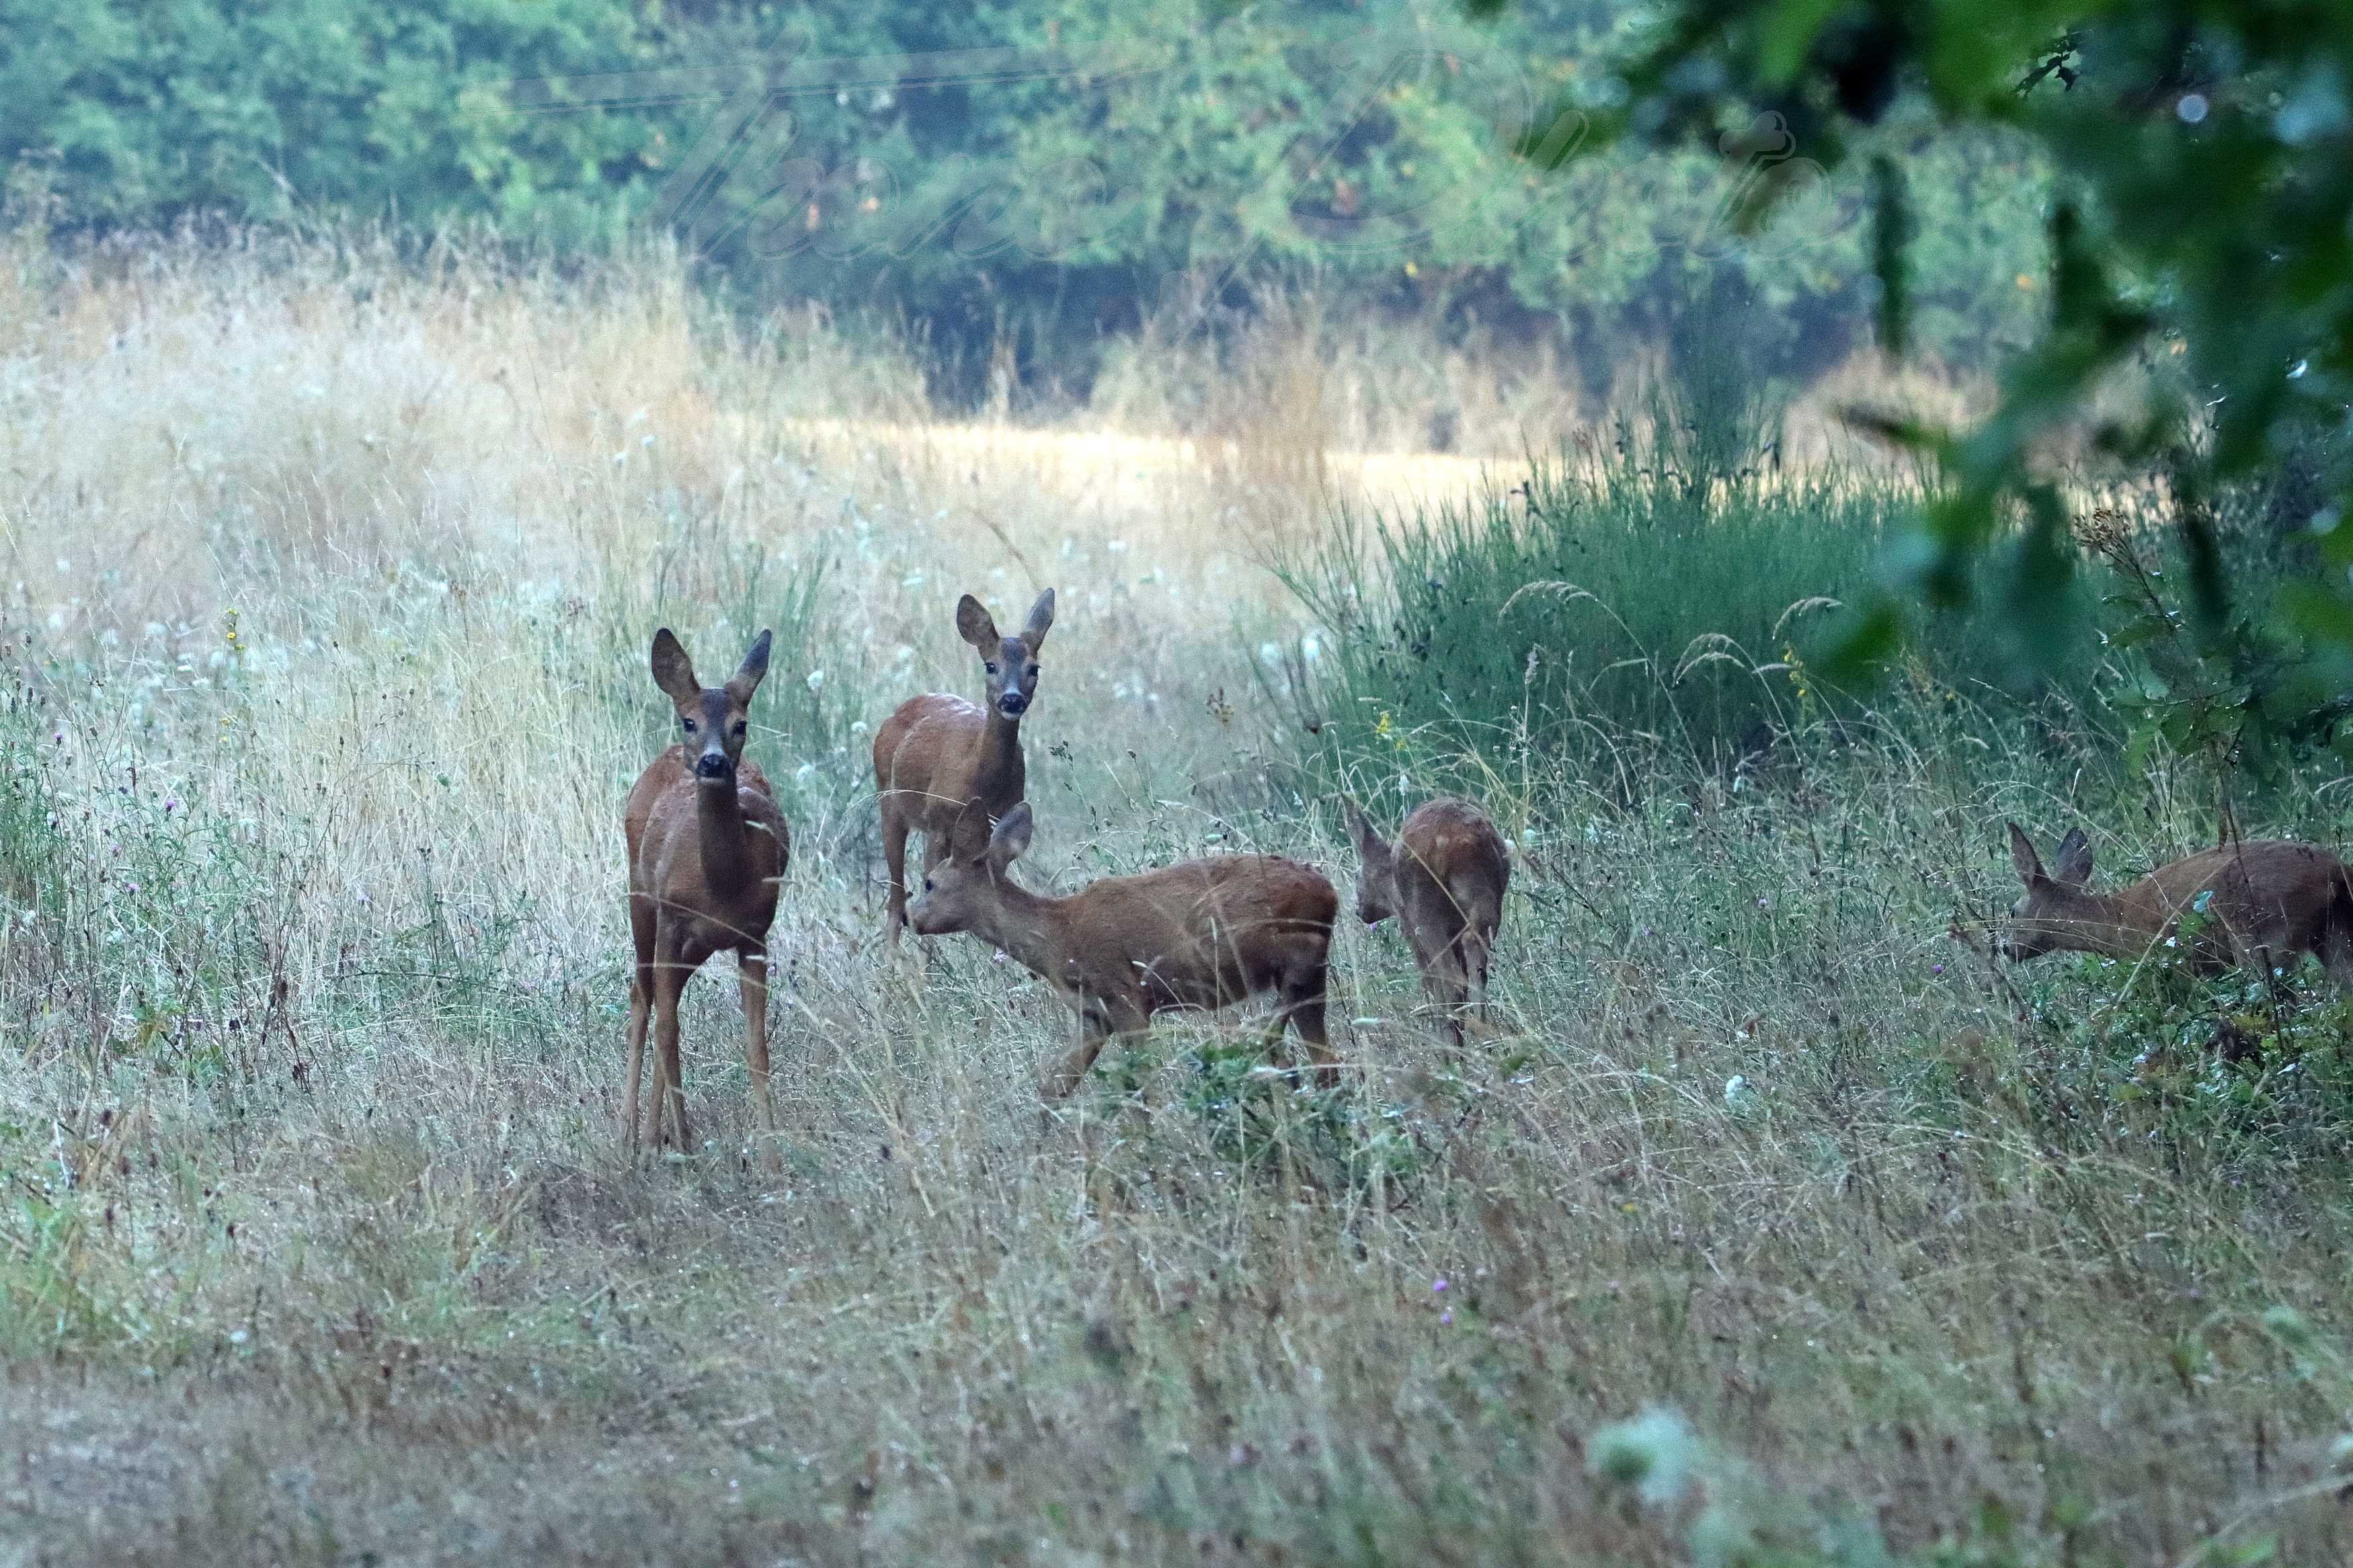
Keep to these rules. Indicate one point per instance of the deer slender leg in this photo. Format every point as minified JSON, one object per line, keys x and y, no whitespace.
{"x":1274,"y":1044}
{"x":670,"y":973}
{"x":1302,"y":1008}
{"x":1098,"y":1022}
{"x":641,"y":1004}
{"x":753,"y":968}
{"x":1442,"y":974}
{"x":1065,"y":1080}
{"x":1458,"y":974}
{"x":894,"y":863}
{"x":1479,"y":945}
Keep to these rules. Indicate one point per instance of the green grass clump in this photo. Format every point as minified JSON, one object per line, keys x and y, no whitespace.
{"x":1615,"y":599}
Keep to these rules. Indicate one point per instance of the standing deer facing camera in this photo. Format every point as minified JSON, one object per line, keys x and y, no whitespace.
{"x":938,"y":752}
{"x":1444,"y":880}
{"x":1204,"y":934}
{"x":707,"y":846}
{"x":2267,"y":902}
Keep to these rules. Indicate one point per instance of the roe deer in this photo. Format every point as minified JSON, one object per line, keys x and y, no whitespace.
{"x":2266,"y":901}
{"x":1444,"y":880}
{"x":937,"y":751}
{"x":707,"y":845}
{"x":1202,"y":935}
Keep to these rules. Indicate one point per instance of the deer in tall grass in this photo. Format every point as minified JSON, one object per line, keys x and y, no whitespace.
{"x":707,"y":848}
{"x":1203,"y":934}
{"x":936,"y":751}
{"x":2264,"y":902}
{"x":1444,"y":880}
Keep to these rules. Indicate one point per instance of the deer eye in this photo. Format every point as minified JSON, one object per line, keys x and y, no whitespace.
{"x":690,"y":725}
{"x":927,"y":884}
{"x":739,"y":726}
{"x":988,"y":665}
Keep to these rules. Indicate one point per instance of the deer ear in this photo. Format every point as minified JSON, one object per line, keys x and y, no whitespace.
{"x":976,"y":625}
{"x":2022,"y":856}
{"x":747,"y":680}
{"x":1371,"y":847}
{"x":673,"y":671}
{"x":1041,"y":616}
{"x":1010,"y":841}
{"x":2075,"y":859}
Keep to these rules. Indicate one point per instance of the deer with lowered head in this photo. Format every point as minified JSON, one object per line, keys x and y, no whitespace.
{"x":2265,"y":902}
{"x":707,"y":848}
{"x":1203,"y":934}
{"x":1444,"y":880}
{"x":936,"y":751}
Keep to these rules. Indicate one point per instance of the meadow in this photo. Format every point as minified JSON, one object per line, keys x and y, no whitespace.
{"x":1776,"y":1223}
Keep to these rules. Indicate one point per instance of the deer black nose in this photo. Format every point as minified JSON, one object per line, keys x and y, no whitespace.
{"x":710,"y":765}
{"x":1013,"y":703}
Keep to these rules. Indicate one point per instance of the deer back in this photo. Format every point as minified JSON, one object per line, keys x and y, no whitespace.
{"x":1452,"y":868}
{"x":2267,"y":893}
{"x":1200,"y":934}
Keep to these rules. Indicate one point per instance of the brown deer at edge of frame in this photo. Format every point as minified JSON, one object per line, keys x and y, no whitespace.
{"x":707,"y":849}
{"x":2265,"y":900}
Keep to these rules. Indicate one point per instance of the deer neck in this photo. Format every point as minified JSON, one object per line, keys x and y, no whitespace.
{"x":1028,"y":925}
{"x":2109,"y":924}
{"x":996,"y":772}
{"x":727,"y":868}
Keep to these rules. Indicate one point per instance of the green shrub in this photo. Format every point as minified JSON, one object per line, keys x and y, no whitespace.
{"x":1618,"y":598}
{"x":2250,"y":1073}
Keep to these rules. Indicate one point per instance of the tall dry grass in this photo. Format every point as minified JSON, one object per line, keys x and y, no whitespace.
{"x":315,"y":1240}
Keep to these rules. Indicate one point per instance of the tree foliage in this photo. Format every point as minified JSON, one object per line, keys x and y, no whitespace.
{"x":154,"y":110}
{"x":2202,"y":215}
{"x":1399,"y":156}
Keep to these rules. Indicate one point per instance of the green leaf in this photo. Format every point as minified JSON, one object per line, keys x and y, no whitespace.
{"x":1855,"y":659}
{"x":1787,"y":33}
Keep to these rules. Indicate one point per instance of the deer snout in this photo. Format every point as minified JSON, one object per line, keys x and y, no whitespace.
{"x":712,"y":764}
{"x":1013,"y":704}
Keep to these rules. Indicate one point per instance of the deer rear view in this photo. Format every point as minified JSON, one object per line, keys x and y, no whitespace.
{"x":707,"y":846}
{"x":1202,"y":935}
{"x":1444,"y":880}
{"x":936,"y":751}
{"x":2264,"y":902}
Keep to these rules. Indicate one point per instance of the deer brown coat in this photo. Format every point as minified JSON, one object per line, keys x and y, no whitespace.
{"x":707,"y":849}
{"x":937,"y":751}
{"x":1444,"y":880}
{"x":2261,"y":904}
{"x":1202,"y":935}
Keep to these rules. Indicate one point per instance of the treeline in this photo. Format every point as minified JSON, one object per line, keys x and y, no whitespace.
{"x":1043,"y":175}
